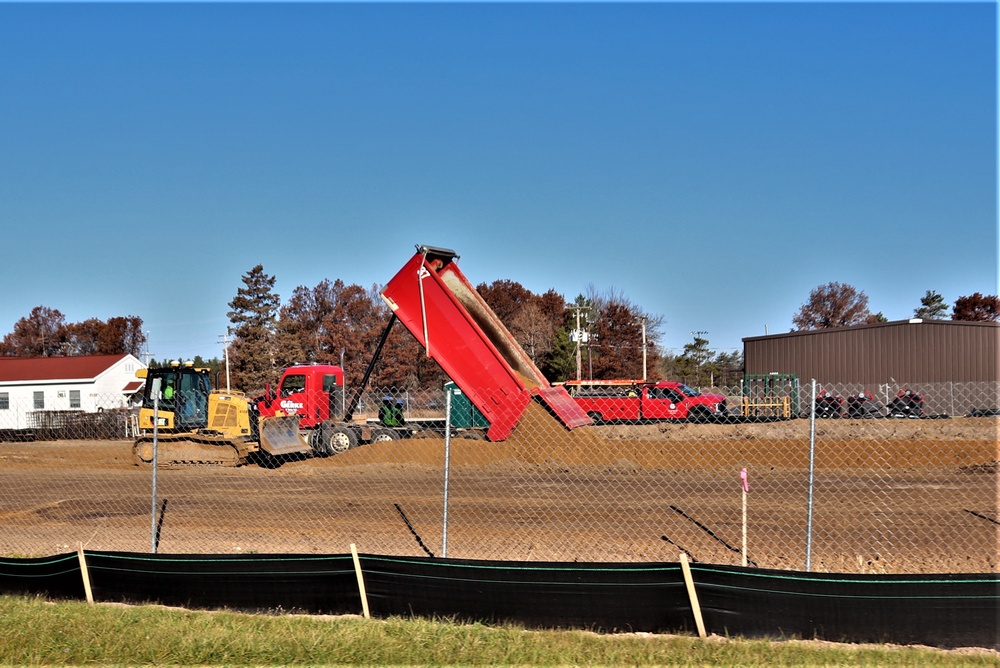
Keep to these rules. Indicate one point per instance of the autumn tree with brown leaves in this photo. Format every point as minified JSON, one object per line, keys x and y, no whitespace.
{"x":40,"y":334}
{"x":614,"y":350}
{"x":45,"y":333}
{"x":335,"y":321}
{"x":833,"y":305}
{"x":537,"y":323}
{"x":977,"y":307}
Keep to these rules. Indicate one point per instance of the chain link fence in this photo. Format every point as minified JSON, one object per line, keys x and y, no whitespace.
{"x":880,"y":481}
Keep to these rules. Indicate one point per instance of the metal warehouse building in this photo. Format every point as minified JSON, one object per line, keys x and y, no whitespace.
{"x":953,"y":363}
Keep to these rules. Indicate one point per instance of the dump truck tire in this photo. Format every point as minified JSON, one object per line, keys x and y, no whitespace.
{"x":335,"y":439}
{"x":384,"y":435}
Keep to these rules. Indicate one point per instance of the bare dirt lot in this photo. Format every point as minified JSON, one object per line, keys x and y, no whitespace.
{"x":887,"y":496}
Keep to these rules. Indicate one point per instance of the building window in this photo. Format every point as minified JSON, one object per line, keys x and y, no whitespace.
{"x":4,"y":401}
{"x":74,"y":398}
{"x":39,"y":400}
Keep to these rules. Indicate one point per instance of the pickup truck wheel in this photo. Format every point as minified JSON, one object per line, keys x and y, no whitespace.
{"x":337,"y":439}
{"x":596,"y":417}
{"x":384,"y":435}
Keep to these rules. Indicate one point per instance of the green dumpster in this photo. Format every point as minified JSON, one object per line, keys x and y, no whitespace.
{"x":463,"y":414}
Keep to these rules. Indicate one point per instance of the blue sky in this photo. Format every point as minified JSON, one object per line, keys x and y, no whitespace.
{"x":712,"y":162}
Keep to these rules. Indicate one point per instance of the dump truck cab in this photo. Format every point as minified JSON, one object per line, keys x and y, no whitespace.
{"x":314,"y":392}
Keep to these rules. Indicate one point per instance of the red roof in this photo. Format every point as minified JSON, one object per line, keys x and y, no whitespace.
{"x":82,"y":367}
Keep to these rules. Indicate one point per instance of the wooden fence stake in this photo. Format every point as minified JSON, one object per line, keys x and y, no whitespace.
{"x":85,"y":573}
{"x":693,"y":596}
{"x":361,"y":580}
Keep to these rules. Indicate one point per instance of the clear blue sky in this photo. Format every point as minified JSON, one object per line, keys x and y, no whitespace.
{"x":712,"y":162}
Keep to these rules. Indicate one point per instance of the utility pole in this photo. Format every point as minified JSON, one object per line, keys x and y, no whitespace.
{"x":225,"y":349}
{"x":578,"y":336}
{"x":644,"y":376}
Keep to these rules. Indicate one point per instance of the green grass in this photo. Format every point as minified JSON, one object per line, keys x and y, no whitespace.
{"x":36,"y":631}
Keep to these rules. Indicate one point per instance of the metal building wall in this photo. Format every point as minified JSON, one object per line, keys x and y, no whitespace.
{"x":914,"y":351}
{"x":893,"y":353}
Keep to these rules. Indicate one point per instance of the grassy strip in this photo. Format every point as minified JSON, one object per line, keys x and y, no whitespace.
{"x":39,"y":632}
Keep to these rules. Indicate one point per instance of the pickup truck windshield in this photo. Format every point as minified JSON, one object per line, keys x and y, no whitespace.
{"x":690,"y":391}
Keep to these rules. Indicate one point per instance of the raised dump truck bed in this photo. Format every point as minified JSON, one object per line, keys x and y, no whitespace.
{"x":440,"y":307}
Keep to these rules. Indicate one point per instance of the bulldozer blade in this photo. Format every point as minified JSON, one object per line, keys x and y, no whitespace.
{"x":280,"y":436}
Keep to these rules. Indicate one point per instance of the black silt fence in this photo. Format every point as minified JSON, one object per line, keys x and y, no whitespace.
{"x":949,"y":610}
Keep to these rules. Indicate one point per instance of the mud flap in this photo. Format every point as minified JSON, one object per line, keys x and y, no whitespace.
{"x":280,"y":436}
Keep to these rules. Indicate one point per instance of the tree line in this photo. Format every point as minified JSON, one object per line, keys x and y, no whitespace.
{"x":338,"y":323}
{"x":841,"y":305}
{"x":599,"y":335}
{"x":45,"y":333}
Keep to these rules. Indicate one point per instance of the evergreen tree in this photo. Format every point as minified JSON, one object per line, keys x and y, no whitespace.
{"x":560,"y":364}
{"x":253,"y":354}
{"x":932,"y":307}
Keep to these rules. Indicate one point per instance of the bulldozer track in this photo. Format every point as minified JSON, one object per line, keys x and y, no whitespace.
{"x":194,"y":451}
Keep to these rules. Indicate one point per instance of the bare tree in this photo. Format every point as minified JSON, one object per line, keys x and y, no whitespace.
{"x":534,"y":331}
{"x":833,"y":305}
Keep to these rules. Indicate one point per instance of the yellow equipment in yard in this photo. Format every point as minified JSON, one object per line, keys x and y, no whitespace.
{"x":198,"y":426}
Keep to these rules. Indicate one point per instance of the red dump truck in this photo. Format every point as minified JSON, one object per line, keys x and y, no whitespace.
{"x":644,"y":401}
{"x":438,"y":305}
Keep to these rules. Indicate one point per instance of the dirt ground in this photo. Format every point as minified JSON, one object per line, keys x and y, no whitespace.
{"x":905,"y":496}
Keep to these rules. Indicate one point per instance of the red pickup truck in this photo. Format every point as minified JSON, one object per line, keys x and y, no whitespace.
{"x":643,"y":401}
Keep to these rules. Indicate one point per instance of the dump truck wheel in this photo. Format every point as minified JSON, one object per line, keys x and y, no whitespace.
{"x":596,"y":417}
{"x":384,"y":435}
{"x":338,"y":439}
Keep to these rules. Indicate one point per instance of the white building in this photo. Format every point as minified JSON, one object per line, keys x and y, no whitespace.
{"x":86,"y":383}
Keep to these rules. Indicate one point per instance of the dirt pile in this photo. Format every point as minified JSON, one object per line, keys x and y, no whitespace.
{"x":541,"y":440}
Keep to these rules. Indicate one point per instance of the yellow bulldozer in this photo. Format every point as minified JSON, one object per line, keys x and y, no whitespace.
{"x":190,"y":424}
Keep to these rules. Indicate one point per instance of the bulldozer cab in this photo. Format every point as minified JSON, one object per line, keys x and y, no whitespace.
{"x":182,"y":401}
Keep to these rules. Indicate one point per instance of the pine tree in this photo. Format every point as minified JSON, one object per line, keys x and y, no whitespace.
{"x":932,"y":307}
{"x":253,"y":354}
